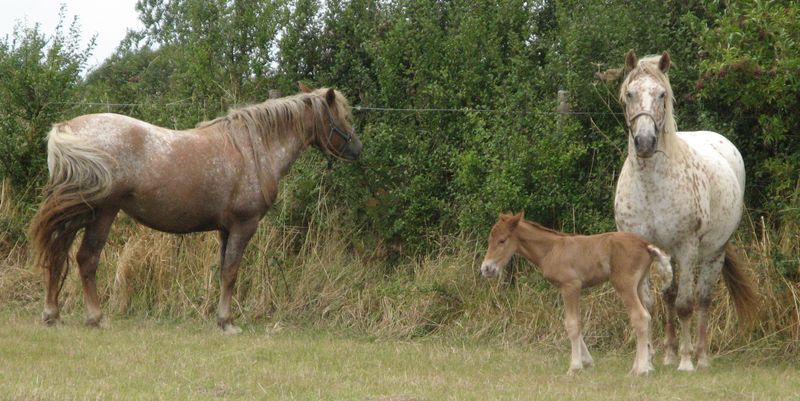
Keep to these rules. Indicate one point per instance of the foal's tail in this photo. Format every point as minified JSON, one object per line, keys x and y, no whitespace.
{"x":740,"y":286}
{"x":80,"y":175}
{"x":663,"y":263}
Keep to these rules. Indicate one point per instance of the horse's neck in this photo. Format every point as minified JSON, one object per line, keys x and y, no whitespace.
{"x":534,"y":242}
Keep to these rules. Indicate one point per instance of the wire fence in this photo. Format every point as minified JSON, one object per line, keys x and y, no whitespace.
{"x":360,"y":108}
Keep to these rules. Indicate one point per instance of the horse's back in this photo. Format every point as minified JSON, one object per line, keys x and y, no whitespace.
{"x":711,"y":146}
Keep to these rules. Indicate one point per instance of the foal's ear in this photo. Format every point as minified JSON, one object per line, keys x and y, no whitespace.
{"x":330,"y":97}
{"x":630,"y":60}
{"x":304,"y":88}
{"x":513,"y":222}
{"x":664,"y":62}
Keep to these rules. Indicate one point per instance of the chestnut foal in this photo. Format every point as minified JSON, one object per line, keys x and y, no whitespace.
{"x":574,"y":262}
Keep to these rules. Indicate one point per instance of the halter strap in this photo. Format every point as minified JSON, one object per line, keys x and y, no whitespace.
{"x":347,"y":136}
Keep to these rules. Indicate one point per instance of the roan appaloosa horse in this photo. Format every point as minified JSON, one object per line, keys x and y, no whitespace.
{"x":222,"y":175}
{"x":682,"y":191}
{"x":574,"y":262}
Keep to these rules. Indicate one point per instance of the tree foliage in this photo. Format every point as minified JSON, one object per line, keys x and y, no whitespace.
{"x":40,"y":78}
{"x":478,"y":81}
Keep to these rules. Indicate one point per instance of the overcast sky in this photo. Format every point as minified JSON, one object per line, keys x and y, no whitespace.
{"x":109,"y":19}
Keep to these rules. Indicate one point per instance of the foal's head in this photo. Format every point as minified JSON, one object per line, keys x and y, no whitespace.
{"x":339,"y":138}
{"x":502,"y":244}
{"x":647,"y":97}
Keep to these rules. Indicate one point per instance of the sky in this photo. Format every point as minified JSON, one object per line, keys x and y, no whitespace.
{"x":108,"y":19}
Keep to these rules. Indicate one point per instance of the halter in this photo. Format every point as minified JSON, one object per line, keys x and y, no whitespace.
{"x":630,"y":121}
{"x":346,"y":136}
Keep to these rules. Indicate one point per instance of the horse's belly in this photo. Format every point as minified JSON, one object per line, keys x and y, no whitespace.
{"x":171,"y":217}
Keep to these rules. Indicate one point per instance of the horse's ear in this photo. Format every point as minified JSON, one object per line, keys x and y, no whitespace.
{"x":304,"y":88}
{"x":513,"y":222}
{"x":330,"y":97}
{"x":521,"y":214}
{"x":630,"y":60}
{"x":664,"y":62}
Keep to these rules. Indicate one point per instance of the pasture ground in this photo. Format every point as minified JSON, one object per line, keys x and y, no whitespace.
{"x":153,"y":359}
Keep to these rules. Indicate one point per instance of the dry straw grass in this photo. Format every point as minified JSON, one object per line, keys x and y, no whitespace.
{"x":316,"y":276}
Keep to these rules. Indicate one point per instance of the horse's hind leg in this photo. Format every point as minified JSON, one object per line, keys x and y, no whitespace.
{"x":50,"y":315}
{"x":94,"y":239}
{"x":232,"y":244}
{"x":706,"y":280}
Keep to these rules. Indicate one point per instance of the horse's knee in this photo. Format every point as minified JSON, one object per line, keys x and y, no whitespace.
{"x":684,"y":308}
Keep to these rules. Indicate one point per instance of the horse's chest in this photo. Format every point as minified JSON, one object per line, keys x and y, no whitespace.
{"x":661,"y":211}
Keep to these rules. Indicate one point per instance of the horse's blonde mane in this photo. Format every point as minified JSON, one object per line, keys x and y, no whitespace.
{"x":649,"y":66}
{"x":268,"y":125}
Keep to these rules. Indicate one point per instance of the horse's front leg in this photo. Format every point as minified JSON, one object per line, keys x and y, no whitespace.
{"x":570,"y":293}
{"x":684,"y":302}
{"x":670,"y":322}
{"x":232,"y":245}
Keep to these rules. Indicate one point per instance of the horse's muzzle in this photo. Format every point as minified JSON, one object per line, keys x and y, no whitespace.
{"x":353,"y":150}
{"x":645,"y":144}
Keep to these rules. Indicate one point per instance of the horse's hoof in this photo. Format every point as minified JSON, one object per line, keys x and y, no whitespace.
{"x":703,"y":363}
{"x":686,"y":366}
{"x":670,"y":358}
{"x":641,"y":372}
{"x":231,"y":330}
{"x":93,"y":322}
{"x":573,"y":371}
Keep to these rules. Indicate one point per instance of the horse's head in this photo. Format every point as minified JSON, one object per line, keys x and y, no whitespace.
{"x":502,"y":244}
{"x":338,"y":138}
{"x":647,"y":97}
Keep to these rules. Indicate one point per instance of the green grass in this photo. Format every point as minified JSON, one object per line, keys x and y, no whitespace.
{"x":157,"y":359}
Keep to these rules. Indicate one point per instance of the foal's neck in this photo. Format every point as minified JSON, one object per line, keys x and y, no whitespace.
{"x":535,"y":242}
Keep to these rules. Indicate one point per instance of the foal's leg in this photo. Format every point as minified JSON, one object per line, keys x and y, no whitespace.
{"x":628,"y":290}
{"x":94,"y":239}
{"x":232,"y":246}
{"x":644,"y":296}
{"x":586,"y":357}
{"x":571,"y":293}
{"x":706,"y":281}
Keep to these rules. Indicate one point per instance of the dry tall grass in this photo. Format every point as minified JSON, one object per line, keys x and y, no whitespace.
{"x":317,"y":276}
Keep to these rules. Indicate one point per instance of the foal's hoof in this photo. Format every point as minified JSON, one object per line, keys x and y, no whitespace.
{"x":51,"y":319}
{"x":230,"y":329}
{"x":574,"y":371}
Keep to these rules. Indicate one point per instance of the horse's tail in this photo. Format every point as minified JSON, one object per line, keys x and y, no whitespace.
{"x":80,"y":175}
{"x":663,"y":262}
{"x":743,"y":294}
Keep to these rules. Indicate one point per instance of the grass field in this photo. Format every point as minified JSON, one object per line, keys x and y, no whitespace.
{"x":157,"y":359}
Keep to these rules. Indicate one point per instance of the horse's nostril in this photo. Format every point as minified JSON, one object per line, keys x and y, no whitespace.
{"x":636,"y":141}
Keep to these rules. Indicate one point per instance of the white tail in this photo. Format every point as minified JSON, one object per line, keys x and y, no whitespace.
{"x":664,"y":265}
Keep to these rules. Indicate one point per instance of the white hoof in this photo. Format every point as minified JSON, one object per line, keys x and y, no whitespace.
{"x":231,"y":330}
{"x":686,"y":365}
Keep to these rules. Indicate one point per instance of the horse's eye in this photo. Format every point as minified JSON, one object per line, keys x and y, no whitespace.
{"x":628,"y":94}
{"x":502,"y":241}
{"x":661,"y":96}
